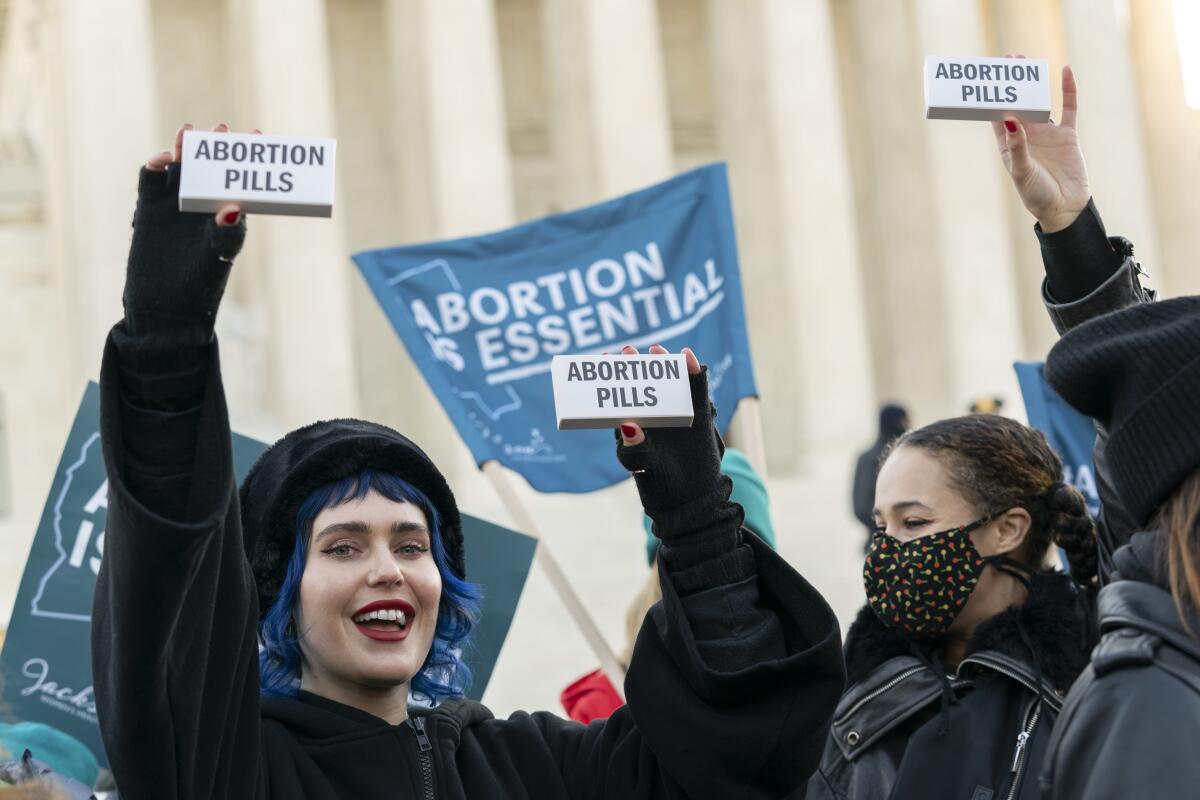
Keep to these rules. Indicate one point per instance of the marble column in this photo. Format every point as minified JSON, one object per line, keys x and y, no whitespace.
{"x":1111,"y":124}
{"x":285,"y":81}
{"x":101,"y":115}
{"x":610,"y":127}
{"x":944,"y":322}
{"x":777,"y":102}
{"x":969,"y":189}
{"x":453,"y":168}
{"x":1033,"y":28}
{"x":1171,"y":131}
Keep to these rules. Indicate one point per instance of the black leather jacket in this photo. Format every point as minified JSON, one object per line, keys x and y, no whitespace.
{"x":1131,"y":721}
{"x":887,"y":739}
{"x":1124,"y":288}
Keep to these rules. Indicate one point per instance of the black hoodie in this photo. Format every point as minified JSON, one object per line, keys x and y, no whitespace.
{"x":177,"y":677}
{"x":730,"y":690}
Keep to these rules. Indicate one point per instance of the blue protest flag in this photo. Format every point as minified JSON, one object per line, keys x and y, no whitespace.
{"x":1071,"y":434}
{"x":46,"y":665}
{"x":483,"y":316}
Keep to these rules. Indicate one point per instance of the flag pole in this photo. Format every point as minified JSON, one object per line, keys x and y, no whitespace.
{"x":558,"y":579}
{"x":746,"y":427}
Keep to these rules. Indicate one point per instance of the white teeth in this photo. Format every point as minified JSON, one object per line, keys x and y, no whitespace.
{"x":383,"y":615}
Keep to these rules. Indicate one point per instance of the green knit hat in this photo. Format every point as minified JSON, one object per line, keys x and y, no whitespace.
{"x":60,"y":751}
{"x":749,"y":491}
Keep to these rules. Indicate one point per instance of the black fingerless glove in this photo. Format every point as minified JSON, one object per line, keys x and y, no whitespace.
{"x":679,"y":480}
{"x":673,"y":466}
{"x":178,"y":266}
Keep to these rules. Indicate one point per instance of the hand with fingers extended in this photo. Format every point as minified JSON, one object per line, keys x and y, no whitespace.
{"x":1046,"y":163}
{"x":179,"y":262}
{"x":674,"y":466}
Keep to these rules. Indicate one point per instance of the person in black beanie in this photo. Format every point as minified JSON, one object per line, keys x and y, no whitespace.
{"x":1134,"y":714}
{"x":1133,"y":365}
{"x":264,"y":643}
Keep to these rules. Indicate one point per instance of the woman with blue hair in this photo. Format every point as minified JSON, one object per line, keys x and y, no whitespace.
{"x":266,"y":642}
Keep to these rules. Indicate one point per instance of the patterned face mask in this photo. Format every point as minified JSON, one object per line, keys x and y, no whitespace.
{"x":919,"y":587}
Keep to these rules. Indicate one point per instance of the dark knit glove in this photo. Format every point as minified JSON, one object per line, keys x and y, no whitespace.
{"x":674,"y":466}
{"x":178,"y":266}
{"x":679,"y":479}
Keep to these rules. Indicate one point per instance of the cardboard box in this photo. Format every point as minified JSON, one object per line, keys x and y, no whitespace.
{"x":290,"y":175}
{"x":987,"y":88}
{"x":602,"y":391}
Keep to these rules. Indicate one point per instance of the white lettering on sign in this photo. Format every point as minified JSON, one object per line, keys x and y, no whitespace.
{"x":517,"y":327}
{"x":81,"y":702}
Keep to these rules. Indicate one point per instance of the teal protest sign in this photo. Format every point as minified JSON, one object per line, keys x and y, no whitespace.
{"x":484,"y":316}
{"x":1071,"y":434}
{"x":46,"y":661}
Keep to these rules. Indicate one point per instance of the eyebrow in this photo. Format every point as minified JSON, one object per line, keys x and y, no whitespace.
{"x":903,"y":505}
{"x":359,"y":528}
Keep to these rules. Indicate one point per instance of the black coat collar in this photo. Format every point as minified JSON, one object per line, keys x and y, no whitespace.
{"x":1059,"y":621}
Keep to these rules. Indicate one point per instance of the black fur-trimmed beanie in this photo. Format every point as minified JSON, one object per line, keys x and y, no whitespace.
{"x":311,"y":457}
{"x":1137,"y":373}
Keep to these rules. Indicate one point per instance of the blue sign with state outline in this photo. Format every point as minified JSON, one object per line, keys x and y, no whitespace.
{"x":483,"y":316}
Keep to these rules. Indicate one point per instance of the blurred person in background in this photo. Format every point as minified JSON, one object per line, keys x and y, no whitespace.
{"x":1133,"y":365}
{"x":893,"y":421}
{"x":986,"y":404}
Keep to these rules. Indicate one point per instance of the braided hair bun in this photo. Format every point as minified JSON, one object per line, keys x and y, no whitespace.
{"x":1072,"y":528}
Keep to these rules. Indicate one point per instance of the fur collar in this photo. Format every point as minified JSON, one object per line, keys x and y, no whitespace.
{"x":1060,"y":622}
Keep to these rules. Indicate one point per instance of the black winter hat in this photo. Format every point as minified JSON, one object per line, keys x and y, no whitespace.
{"x":1137,"y":372}
{"x":308,"y":458}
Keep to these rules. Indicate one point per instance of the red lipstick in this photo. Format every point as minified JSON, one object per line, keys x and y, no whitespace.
{"x":385,"y":632}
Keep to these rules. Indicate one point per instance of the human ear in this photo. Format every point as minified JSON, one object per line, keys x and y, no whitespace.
{"x":1012,"y":529}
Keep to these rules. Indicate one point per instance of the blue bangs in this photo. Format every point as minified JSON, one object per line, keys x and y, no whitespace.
{"x":444,"y":674}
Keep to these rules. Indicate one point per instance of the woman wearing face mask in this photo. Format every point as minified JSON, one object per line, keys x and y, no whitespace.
{"x":958,"y":665}
{"x":342,"y":559}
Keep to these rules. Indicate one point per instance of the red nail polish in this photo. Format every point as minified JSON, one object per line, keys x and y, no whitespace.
{"x":1010,"y":126}
{"x":232,"y":217}
{"x":628,"y":431}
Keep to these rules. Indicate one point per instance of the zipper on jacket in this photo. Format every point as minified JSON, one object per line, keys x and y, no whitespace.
{"x":887,"y":687}
{"x":1018,"y":765}
{"x":1052,"y":695}
{"x":425,"y":756}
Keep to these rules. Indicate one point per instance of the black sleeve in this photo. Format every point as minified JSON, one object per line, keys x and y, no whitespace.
{"x":174,"y":650}
{"x":1124,"y":735}
{"x":735,"y":675}
{"x":701,"y":722}
{"x":679,"y":480}
{"x":1079,"y":258}
{"x":1087,"y":275}
{"x":160,"y":411}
